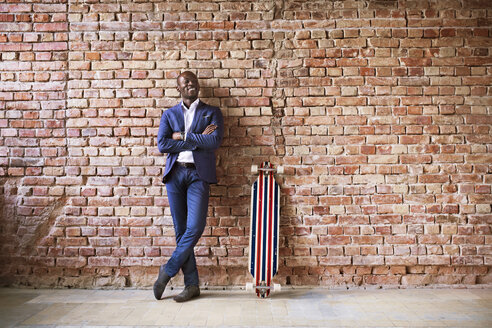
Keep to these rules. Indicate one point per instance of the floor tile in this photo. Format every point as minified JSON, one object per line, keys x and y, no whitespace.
{"x":294,"y":307}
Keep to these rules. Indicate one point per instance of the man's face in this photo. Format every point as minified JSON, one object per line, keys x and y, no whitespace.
{"x":188,"y":86}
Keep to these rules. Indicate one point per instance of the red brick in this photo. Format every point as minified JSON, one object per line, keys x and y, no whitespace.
{"x":51,"y":27}
{"x":387,"y":199}
{"x":334,"y":240}
{"x":319,"y":62}
{"x":399,"y":240}
{"x":71,"y":262}
{"x":253,"y":102}
{"x":103,"y":261}
{"x":50,"y":46}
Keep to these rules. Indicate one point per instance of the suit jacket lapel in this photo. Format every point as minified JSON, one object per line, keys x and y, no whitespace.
{"x":196,"y":118}
{"x":180,"y":117}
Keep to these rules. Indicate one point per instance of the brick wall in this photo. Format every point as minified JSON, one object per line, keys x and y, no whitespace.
{"x":379,"y":110}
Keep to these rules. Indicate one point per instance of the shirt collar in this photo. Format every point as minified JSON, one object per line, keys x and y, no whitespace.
{"x":193,"y":105}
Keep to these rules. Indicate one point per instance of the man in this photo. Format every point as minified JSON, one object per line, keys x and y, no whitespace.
{"x":189,"y":133}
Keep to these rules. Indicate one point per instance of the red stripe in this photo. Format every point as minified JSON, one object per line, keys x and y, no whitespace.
{"x":258,"y":234}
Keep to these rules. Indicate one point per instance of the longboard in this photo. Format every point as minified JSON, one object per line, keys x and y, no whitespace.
{"x":264,"y":230}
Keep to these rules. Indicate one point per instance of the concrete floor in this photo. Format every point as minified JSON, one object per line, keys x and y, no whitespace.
{"x":237,"y":308}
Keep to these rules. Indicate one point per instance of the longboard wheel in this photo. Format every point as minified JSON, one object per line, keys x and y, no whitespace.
{"x":280,"y":169}
{"x":249,"y":286}
{"x":254,"y":169}
{"x":277,"y":287}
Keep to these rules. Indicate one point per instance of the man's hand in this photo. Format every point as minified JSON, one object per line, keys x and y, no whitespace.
{"x":209,"y":129}
{"x":177,"y":136}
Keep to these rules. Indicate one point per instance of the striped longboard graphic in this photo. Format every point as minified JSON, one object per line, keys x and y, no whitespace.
{"x":265,"y":217}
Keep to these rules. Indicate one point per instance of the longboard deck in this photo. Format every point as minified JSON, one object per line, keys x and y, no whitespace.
{"x":264,"y":231}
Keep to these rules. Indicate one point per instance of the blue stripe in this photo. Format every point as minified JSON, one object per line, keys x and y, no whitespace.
{"x":253,"y":228}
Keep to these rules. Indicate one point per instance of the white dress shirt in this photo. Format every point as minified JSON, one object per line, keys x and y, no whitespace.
{"x":189,"y":114}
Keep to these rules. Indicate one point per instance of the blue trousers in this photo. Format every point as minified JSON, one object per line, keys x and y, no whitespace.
{"x":188,"y":198}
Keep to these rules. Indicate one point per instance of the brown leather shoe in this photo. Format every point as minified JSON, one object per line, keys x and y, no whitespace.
{"x":160,"y":283}
{"x":187,"y":294}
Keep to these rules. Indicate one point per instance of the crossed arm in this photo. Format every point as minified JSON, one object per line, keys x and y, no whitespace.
{"x":169,"y":141}
{"x":208,"y":130}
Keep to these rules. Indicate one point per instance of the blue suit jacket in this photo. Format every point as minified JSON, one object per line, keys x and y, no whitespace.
{"x":202,"y":146}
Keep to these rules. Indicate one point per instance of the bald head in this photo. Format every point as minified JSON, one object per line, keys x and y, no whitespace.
{"x":187,"y":74}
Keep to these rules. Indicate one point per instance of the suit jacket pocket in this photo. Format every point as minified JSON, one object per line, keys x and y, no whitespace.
{"x":205,"y":121}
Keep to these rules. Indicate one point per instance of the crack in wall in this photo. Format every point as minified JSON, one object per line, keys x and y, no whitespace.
{"x":277,"y":100}
{"x":51,"y":215}
{"x":279,"y":9}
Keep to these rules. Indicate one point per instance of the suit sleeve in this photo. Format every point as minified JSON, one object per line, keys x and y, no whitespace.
{"x":165,"y":143}
{"x":209,"y":141}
